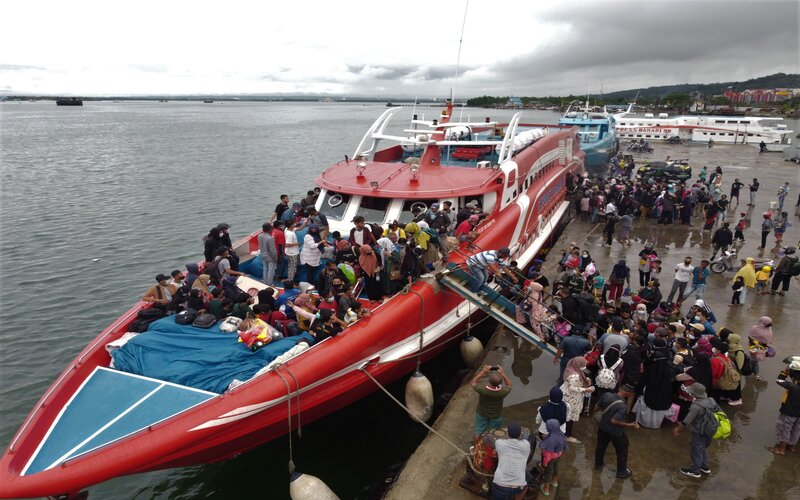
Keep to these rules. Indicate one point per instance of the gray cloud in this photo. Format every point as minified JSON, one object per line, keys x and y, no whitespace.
{"x":623,"y":44}
{"x":627,"y":44}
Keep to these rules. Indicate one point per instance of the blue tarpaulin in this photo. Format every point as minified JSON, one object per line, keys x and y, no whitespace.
{"x":203,"y":358}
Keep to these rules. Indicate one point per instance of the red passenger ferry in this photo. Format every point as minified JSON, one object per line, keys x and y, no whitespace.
{"x":97,"y":422}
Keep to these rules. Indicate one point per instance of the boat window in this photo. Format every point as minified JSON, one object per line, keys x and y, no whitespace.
{"x":406,"y":215}
{"x":334,"y":205}
{"x":374,"y":209}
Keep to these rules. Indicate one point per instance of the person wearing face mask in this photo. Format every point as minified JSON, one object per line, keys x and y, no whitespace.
{"x":329,"y":302}
{"x":683,"y":273}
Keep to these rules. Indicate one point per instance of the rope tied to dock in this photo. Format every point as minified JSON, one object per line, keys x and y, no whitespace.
{"x":461,"y":452}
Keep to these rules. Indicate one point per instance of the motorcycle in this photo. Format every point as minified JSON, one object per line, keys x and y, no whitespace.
{"x":674,"y":140}
{"x":726,"y":260}
{"x":637,"y":147}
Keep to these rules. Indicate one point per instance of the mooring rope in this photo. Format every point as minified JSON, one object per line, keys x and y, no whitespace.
{"x":289,"y":419}
{"x":461,"y":452}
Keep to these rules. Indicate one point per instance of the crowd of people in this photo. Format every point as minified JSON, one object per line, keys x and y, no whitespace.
{"x":320,"y":273}
{"x":647,"y":356}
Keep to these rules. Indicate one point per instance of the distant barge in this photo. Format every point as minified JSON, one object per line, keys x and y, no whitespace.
{"x":71,"y":101}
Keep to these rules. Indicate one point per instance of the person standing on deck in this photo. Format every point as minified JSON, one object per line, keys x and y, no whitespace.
{"x":269,"y":253}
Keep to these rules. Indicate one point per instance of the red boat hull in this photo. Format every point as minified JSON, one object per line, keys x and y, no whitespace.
{"x":328,"y":376}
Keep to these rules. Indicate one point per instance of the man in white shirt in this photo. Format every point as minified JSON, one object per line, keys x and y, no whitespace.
{"x":292,"y":250}
{"x":683,"y":273}
{"x":512,"y":459}
{"x":611,"y":208}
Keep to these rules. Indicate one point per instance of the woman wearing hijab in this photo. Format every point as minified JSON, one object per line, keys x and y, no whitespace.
{"x":760,"y":337}
{"x":553,"y":446}
{"x":620,"y":274}
{"x":657,"y":385}
{"x":201,"y":283}
{"x":736,"y":355}
{"x":371,"y":268}
{"x":748,"y":274}
{"x":537,"y":312}
{"x":556,"y":409}
{"x":576,"y":385}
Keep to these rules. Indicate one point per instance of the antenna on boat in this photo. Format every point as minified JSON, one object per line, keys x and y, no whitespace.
{"x":458,"y":57}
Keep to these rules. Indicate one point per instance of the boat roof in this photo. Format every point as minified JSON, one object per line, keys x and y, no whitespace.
{"x":395,"y":180}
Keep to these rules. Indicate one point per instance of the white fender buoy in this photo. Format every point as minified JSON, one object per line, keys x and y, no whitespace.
{"x":419,"y":397}
{"x":308,"y":487}
{"x":471,"y":350}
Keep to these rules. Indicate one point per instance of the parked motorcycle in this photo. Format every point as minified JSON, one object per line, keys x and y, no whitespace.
{"x":726,"y":260}
{"x":636,"y":147}
{"x":674,"y":140}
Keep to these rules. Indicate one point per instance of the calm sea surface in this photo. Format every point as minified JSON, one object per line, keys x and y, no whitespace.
{"x":97,"y":200}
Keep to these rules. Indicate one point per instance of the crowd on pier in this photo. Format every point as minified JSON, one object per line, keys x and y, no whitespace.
{"x":638,"y":340}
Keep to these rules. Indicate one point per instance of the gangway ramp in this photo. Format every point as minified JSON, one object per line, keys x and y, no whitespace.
{"x":493,"y":304}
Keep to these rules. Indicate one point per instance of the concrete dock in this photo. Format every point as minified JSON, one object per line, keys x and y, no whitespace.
{"x":741,"y":465}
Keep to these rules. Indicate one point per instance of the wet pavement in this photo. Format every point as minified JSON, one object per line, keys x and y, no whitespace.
{"x":741,"y":465}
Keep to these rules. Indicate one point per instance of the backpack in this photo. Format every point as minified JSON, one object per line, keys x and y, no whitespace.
{"x":186,"y":317}
{"x":606,"y":379}
{"x":741,"y":225}
{"x":205,"y":320}
{"x":730,"y":377}
{"x":723,"y":425}
{"x":145,"y":317}
{"x":213,"y":269}
{"x":794,"y":270}
{"x":747,"y":365}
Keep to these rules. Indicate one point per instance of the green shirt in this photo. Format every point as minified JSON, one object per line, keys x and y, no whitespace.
{"x":490,"y":403}
{"x":241,"y":310}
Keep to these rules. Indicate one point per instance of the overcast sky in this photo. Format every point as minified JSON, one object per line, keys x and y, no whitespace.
{"x":381,"y":48}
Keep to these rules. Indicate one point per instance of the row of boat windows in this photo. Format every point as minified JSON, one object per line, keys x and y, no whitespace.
{"x":704,"y":133}
{"x":334,"y":206}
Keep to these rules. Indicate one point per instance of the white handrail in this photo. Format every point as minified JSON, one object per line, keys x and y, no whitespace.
{"x":377,"y":128}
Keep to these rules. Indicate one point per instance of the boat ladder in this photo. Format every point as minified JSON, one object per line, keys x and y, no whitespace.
{"x":492,"y":303}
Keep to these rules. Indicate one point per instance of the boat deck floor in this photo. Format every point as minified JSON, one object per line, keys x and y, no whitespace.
{"x":110,"y":406}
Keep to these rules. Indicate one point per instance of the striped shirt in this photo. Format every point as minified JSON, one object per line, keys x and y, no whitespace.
{"x":484,"y":259}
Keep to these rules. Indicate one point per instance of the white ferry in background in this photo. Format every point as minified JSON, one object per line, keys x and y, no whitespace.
{"x":720,"y":129}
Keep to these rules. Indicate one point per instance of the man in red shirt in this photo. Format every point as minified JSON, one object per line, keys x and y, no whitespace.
{"x":465,"y":228}
{"x":280,"y":243}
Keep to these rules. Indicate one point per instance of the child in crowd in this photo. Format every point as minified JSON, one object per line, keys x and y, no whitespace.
{"x":553,"y":446}
{"x":762,"y":278}
{"x":655,"y":271}
{"x":737,"y":292}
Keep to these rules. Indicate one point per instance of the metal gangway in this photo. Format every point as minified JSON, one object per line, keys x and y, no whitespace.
{"x":492,"y":303}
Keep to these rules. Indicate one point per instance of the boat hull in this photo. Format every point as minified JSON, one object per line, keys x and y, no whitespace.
{"x":411,"y":326}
